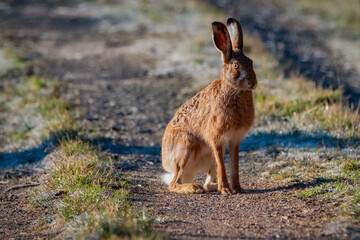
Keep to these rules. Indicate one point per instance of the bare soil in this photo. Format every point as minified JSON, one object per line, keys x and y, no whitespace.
{"x":19,"y":218}
{"x":125,"y":107}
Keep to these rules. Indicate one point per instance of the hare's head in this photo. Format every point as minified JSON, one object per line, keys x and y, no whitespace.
{"x":237,"y":68}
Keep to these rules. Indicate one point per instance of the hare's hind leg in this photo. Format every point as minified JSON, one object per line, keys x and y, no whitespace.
{"x":187,"y":177}
{"x":180,"y":182}
{"x":178,"y":187}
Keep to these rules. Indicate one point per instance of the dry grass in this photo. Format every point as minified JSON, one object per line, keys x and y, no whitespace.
{"x":90,"y":195}
{"x":331,"y":176}
{"x":346,"y":14}
{"x":33,"y":112}
{"x":296,"y":108}
{"x":283,"y":104}
{"x":84,"y":191}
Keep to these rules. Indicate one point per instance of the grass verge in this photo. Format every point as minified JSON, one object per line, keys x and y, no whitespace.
{"x":83,"y":194}
{"x":33,"y":111}
{"x":330,"y":176}
{"x":315,"y":136}
{"x":287,"y":103}
{"x":90,"y":196}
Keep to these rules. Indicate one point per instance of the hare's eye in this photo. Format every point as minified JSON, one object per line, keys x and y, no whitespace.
{"x":236,"y":65}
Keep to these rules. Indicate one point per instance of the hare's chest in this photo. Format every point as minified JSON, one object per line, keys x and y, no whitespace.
{"x":239,"y":114}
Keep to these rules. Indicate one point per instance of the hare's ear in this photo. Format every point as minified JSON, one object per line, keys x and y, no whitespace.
{"x":222,"y":41}
{"x":236,"y":34}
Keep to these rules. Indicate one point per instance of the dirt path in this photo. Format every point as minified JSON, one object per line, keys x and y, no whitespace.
{"x":265,"y":210}
{"x":127,"y":75}
{"x":19,"y":219}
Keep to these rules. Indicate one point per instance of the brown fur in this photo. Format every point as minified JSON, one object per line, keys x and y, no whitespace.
{"x":195,"y":139}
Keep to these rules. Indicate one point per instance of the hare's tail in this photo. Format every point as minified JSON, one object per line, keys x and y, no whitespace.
{"x":167,"y":178}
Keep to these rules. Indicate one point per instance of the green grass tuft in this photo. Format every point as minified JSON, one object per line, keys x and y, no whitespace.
{"x":313,"y":191}
{"x":34,"y":111}
{"x":86,"y":188}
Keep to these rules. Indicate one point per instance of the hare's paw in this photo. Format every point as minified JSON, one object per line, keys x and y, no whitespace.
{"x":192,"y":188}
{"x":225,"y":190}
{"x":236,"y":189}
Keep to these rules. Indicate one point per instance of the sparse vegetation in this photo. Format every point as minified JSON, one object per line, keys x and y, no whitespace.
{"x":296,"y":107}
{"x":90,"y":195}
{"x":33,"y":111}
{"x":346,"y":15}
{"x":84,"y":189}
{"x":330,"y":179}
{"x":283,"y":104}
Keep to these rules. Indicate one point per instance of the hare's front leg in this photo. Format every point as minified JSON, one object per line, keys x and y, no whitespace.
{"x":234,"y":167}
{"x":223,"y":184}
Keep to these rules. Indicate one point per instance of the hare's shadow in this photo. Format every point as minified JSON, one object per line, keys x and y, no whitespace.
{"x":294,"y":186}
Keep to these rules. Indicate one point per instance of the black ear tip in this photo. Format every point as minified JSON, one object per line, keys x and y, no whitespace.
{"x":230,"y":20}
{"x":216,"y":23}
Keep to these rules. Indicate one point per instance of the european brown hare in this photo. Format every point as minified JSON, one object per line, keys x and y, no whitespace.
{"x":194,"y":140}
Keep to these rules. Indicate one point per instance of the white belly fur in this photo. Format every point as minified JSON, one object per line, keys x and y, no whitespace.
{"x":235,"y":136}
{"x":203,"y":162}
